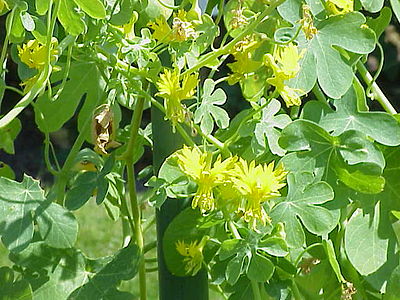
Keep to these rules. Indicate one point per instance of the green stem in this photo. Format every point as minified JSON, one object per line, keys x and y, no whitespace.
{"x":69,"y":162}
{"x":294,"y":112}
{"x":208,"y":58}
{"x":14,"y":89}
{"x":211,"y":139}
{"x":378,"y":72}
{"x":135,"y":206}
{"x":149,"y":246}
{"x":234,"y":230}
{"x":47,"y":155}
{"x":151,"y":260}
{"x":138,"y":226}
{"x":6,"y":40}
{"x":220,"y":12}
{"x":379,"y":95}
{"x":304,"y":251}
{"x":189,"y":141}
{"x":256,"y":290}
{"x":149,"y":270}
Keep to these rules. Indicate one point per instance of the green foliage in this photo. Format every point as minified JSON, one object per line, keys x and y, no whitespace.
{"x":304,"y":193}
{"x":295,"y":197}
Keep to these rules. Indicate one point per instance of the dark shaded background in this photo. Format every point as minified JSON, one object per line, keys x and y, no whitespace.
{"x":28,"y":156}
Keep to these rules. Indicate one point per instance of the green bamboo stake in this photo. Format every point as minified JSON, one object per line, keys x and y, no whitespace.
{"x":170,"y":286}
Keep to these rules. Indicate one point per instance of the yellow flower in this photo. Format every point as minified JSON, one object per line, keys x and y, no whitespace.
{"x":244,"y":63}
{"x":29,"y":83}
{"x":338,"y":7}
{"x":285,"y":65}
{"x":193,"y":253}
{"x":34,"y":54}
{"x":257,"y":184}
{"x":162,"y":31}
{"x":3,"y":4}
{"x":287,"y":61}
{"x":290,"y":95}
{"x":238,"y":19}
{"x":173,"y":91}
{"x":198,"y":166}
{"x":307,"y":23}
{"x":182,"y":28}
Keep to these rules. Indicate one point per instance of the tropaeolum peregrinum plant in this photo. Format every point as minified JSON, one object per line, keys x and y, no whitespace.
{"x":293,"y":198}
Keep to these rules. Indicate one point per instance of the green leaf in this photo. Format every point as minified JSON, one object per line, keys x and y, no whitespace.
{"x":177,"y":182}
{"x":70,"y":18}
{"x":40,"y":31}
{"x":372,"y":5}
{"x":70,"y":275}
{"x":321,"y":58}
{"x":27,"y":21}
{"x":273,"y":245}
{"x":231,"y":247}
{"x":8,"y":134}
{"x":81,"y":190}
{"x":260,"y":268}
{"x":320,"y":278}
{"x":125,"y":13}
{"x":42,"y":6}
{"x":84,"y":79}
{"x":101,"y":278}
{"x":393,"y":286}
{"x":102,"y":179}
{"x":364,"y":246}
{"x":57,"y":226}
{"x":6,"y":276}
{"x":208,"y":109}
{"x":241,"y":290}
{"x":67,"y":274}
{"x":158,"y":193}
{"x":351,"y":151}
{"x":380,"y":23}
{"x":330,"y":252}
{"x":18,"y":201}
{"x":19,"y":290}
{"x":184,"y":227}
{"x":36,"y":256}
{"x":396,"y":8}
{"x":16,"y":29}
{"x":234,"y":269}
{"x":302,"y":201}
{"x":208,"y":31}
{"x":94,"y":8}
{"x":380,"y":126}
{"x":266,"y":128}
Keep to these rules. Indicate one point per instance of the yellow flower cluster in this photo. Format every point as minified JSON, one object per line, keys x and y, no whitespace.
{"x":174,"y":89}
{"x":244,"y":63}
{"x":193,"y":253}
{"x":183,"y":28}
{"x":231,"y":184}
{"x":339,"y":7}
{"x":34,"y":55}
{"x":285,"y":65}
